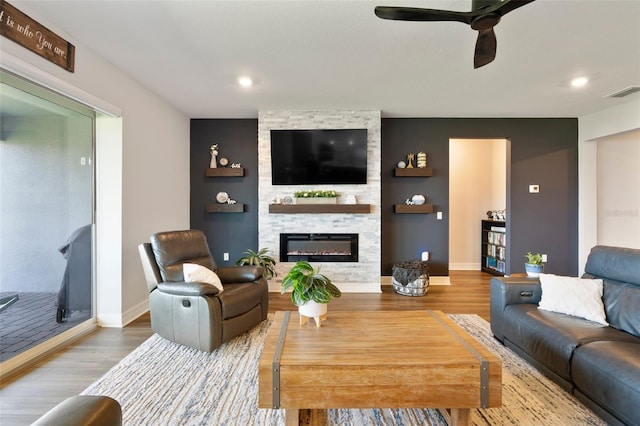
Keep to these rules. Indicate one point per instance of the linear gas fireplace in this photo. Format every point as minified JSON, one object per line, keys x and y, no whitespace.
{"x":319,"y":247}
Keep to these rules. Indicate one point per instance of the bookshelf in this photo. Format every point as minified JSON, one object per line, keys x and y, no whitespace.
{"x":494,"y":247}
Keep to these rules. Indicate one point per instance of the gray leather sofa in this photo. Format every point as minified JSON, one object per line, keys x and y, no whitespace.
{"x":598,"y":364}
{"x":196,"y":314}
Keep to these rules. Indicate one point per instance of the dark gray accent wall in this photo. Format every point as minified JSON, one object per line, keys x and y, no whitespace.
{"x":237,"y":140}
{"x":543,"y":152}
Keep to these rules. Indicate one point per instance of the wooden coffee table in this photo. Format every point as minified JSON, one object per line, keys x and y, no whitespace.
{"x":376,"y":359}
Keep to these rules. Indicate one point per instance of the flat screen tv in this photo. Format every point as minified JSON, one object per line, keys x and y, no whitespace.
{"x":319,"y":156}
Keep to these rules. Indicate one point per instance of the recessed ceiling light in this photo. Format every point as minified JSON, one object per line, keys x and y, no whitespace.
{"x":579,"y":81}
{"x":245,"y":81}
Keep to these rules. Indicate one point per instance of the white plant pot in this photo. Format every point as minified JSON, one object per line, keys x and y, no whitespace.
{"x":312,"y":309}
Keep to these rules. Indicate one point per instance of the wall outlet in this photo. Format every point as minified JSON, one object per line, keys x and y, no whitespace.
{"x":544,"y":257}
{"x":425,"y":256}
{"x":534,"y":189}
{"x":439,"y":215}
{"x":225,"y":257}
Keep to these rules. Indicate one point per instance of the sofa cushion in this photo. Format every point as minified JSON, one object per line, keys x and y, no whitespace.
{"x":609,"y":374}
{"x":579,"y":297}
{"x":238,"y":299}
{"x":551,"y":338}
{"x":619,"y":268}
{"x":621,"y":302}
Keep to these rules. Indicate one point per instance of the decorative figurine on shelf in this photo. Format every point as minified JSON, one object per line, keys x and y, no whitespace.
{"x":499,"y":215}
{"x":214,"y":155}
{"x":230,"y":201}
{"x":408,"y":202}
{"x":236,"y":166}
{"x":410,"y":161}
{"x":422,"y":160}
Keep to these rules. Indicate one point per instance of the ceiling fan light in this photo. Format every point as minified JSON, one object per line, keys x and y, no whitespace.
{"x":245,"y":81}
{"x":579,"y":82}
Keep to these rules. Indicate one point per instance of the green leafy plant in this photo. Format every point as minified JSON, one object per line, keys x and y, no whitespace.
{"x":260,"y":258}
{"x":307,"y":283}
{"x":315,"y":193}
{"x":533,"y":258}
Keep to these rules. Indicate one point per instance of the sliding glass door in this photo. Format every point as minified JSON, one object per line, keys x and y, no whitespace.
{"x":46,"y":215}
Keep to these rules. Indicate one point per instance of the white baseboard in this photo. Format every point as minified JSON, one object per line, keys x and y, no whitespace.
{"x":119,"y":321}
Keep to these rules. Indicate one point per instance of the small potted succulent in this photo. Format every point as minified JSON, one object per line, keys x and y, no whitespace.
{"x":311,"y":291}
{"x":533,"y":266}
{"x":260,"y":258}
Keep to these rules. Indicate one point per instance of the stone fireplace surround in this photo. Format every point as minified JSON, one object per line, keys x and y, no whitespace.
{"x":363,"y":276}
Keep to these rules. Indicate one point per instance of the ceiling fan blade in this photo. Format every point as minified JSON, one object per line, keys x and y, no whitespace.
{"x":485,"y":48}
{"x":417,"y":14}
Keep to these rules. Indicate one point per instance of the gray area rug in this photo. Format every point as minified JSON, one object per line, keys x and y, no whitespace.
{"x":162,"y":383}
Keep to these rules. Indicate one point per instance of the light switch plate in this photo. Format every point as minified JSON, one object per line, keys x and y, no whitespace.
{"x":534,"y":189}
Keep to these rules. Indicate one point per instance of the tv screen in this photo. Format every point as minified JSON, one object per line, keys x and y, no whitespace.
{"x":319,"y":156}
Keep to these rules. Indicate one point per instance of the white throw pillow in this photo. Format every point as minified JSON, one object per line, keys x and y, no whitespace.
{"x":199,"y":274}
{"x":578,"y":297}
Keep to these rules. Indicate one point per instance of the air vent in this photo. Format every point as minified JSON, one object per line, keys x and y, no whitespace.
{"x":624,"y":92}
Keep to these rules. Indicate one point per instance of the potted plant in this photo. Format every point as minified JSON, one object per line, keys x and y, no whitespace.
{"x":316,"y":196}
{"x":310,"y":291}
{"x":533,"y":265}
{"x":260,"y":258}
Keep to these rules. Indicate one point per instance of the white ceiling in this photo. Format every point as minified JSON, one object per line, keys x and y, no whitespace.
{"x":339,"y":55}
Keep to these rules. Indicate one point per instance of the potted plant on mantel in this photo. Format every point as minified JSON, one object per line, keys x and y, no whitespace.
{"x":533,"y":265}
{"x":260,"y":258}
{"x":316,"y":196}
{"x":311,"y":291}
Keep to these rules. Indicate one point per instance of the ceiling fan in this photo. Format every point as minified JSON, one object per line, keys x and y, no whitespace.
{"x":484,"y":15}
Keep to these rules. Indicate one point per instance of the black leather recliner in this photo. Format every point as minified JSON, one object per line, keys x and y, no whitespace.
{"x":196,"y":314}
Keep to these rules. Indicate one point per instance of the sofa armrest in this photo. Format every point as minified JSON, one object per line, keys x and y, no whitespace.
{"x":83,"y":410}
{"x":182,"y":288}
{"x":239,"y":274}
{"x":507,"y":291}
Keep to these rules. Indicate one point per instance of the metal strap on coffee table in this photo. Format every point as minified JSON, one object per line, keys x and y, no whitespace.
{"x":484,"y":364}
{"x":275,"y":365}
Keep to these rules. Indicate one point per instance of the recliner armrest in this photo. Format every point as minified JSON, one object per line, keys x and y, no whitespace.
{"x":182,"y":288}
{"x":239,"y":274}
{"x":510,"y":291}
{"x":83,"y":410}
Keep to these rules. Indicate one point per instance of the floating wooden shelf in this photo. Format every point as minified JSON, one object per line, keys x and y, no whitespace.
{"x":225,"y":172}
{"x":225,"y":208}
{"x":319,"y":208}
{"x":414,"y":172}
{"x":405,"y":208}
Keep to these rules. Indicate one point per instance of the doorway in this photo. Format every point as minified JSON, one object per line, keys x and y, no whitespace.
{"x":46,"y":215}
{"x":477,"y":184}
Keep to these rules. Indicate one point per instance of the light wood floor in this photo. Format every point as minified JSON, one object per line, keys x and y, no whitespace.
{"x":27,"y":396}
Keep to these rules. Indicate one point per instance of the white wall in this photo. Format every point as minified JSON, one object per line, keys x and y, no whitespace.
{"x":619,"y":190}
{"x":477,"y":183}
{"x":594,"y":129}
{"x":145,"y":175}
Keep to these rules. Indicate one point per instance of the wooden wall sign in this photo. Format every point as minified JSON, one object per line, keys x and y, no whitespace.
{"x":28,"y":33}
